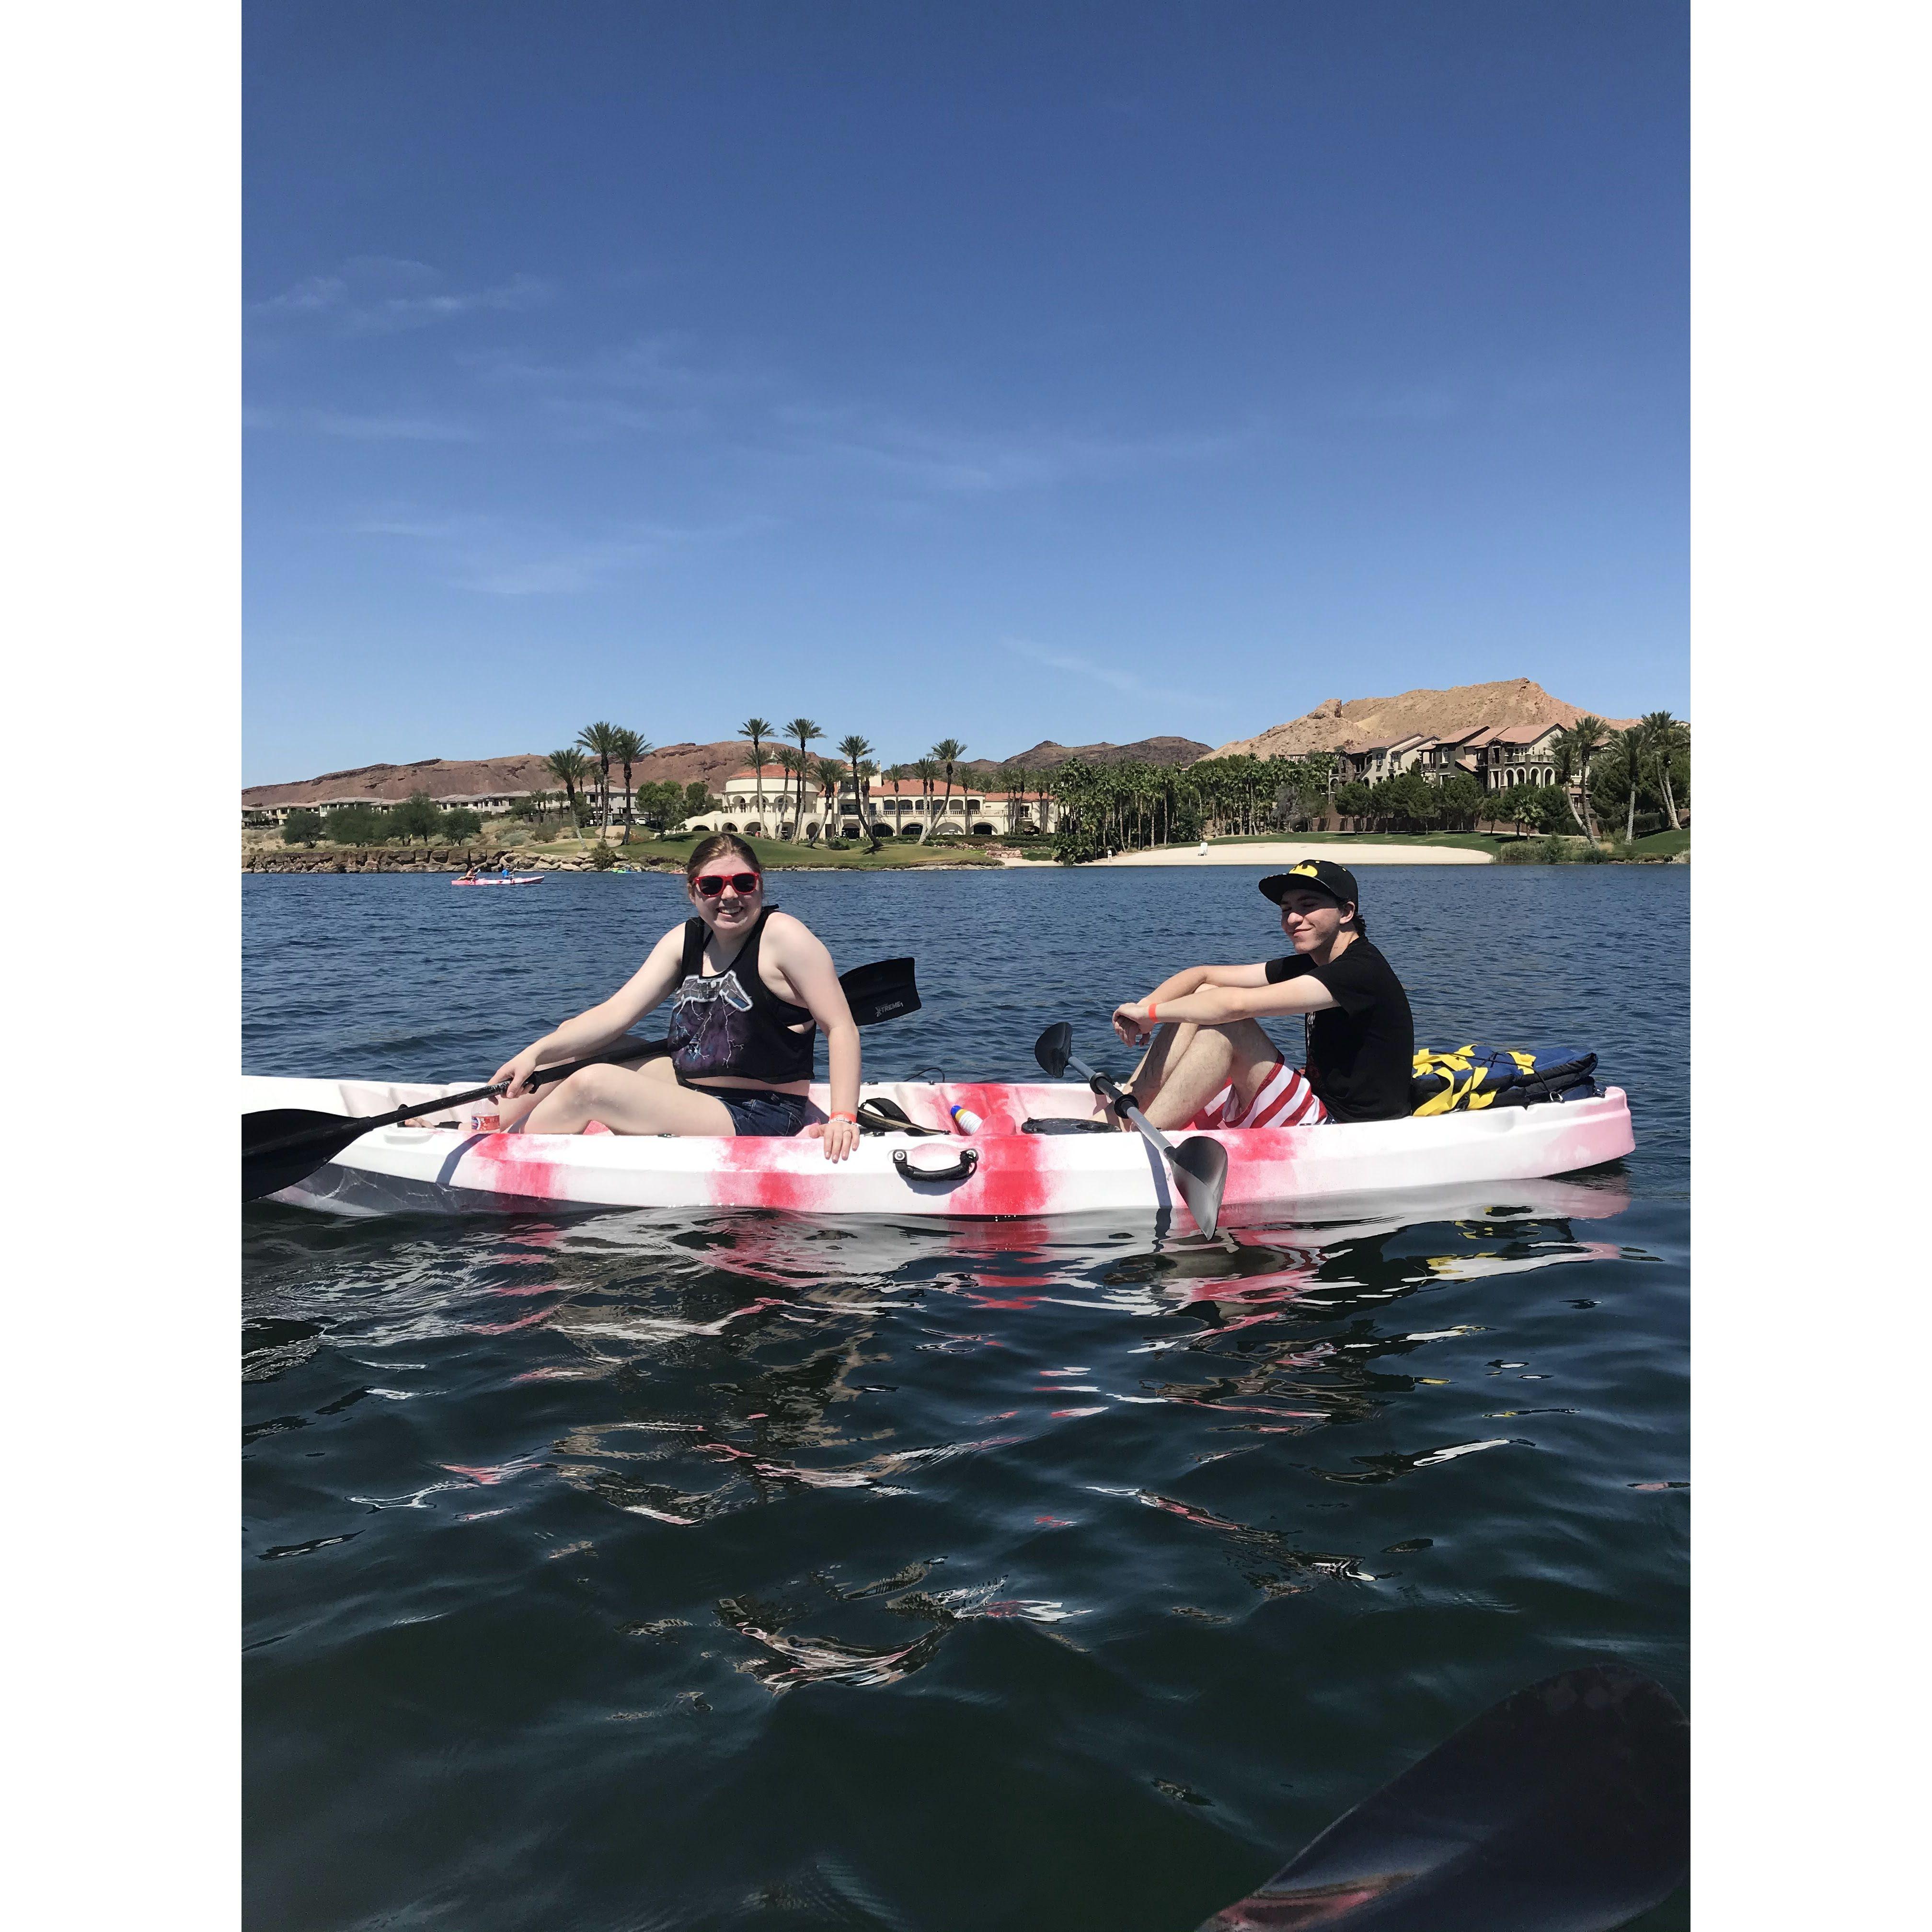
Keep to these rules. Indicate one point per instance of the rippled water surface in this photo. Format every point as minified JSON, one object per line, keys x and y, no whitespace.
{"x":616,"y":1571}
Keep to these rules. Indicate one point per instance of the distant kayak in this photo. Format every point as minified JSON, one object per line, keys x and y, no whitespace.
{"x":521,"y":879}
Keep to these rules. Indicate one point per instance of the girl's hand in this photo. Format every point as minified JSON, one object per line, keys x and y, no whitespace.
{"x":840,"y":1135}
{"x":513,"y":1074}
{"x":1131,"y":1023}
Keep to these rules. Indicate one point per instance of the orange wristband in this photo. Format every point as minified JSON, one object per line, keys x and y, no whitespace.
{"x":842,"y":1115}
{"x":1154,"y":1013}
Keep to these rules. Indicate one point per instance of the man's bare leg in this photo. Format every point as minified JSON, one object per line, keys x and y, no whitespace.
{"x":1238,"y":1052}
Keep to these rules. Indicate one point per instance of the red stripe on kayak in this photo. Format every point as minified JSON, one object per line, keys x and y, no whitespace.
{"x":515,"y":1164}
{"x":745,"y":1177}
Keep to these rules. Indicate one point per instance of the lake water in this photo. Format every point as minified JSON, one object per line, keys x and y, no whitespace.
{"x":609,"y":1570}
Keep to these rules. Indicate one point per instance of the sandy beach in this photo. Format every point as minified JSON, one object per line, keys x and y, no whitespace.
{"x":1281,"y":856}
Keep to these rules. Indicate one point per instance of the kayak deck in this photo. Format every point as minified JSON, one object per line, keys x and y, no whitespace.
{"x":455,"y":1161}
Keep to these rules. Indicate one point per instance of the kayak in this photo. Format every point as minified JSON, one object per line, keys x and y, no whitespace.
{"x":521,"y":879}
{"x":459,"y":1162}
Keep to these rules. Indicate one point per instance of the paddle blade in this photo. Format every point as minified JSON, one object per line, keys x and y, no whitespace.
{"x":1201,"y":1172}
{"x":268,"y":1164}
{"x":1564,"y":1808}
{"x":881,"y":990}
{"x":1052,"y":1048}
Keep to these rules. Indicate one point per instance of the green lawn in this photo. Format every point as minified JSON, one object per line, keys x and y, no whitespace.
{"x":1473,"y":842}
{"x":1665,"y":844}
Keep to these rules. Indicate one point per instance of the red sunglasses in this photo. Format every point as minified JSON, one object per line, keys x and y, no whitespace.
{"x":712,"y":884}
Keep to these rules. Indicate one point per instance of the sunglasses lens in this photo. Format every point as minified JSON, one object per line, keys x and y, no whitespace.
{"x":744,"y":882}
{"x":712,"y":884}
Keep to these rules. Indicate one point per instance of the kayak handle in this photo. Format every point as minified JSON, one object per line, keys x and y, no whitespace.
{"x":960,"y":1169}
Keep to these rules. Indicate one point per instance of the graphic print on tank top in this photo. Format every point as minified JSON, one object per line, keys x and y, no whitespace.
{"x":712,"y":1027}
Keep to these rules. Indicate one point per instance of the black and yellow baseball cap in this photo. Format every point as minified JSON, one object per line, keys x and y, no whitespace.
{"x":1314,"y":875}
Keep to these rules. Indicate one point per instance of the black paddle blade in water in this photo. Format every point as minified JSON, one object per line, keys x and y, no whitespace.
{"x":1564,"y":1808}
{"x":1201,"y":1172}
{"x":268,"y":1164}
{"x":1052,"y":1048}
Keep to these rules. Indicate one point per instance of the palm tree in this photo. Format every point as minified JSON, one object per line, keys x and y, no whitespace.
{"x":786,"y":759}
{"x":830,"y":775}
{"x":757,"y":730}
{"x":927,"y":773}
{"x":600,"y":740}
{"x":1632,"y":742}
{"x":1578,"y":745}
{"x":1667,"y":736}
{"x":570,"y":768}
{"x":855,"y":750}
{"x":945,"y":754}
{"x":804,"y":729}
{"x":627,"y":750}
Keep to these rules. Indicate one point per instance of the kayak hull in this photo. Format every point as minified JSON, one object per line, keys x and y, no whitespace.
{"x":523,"y":879}
{"x":455,"y":1163}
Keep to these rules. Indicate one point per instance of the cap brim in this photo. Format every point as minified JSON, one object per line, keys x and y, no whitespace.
{"x":1277,"y":885}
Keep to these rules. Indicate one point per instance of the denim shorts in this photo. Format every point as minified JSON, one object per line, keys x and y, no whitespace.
{"x":754,"y":1112}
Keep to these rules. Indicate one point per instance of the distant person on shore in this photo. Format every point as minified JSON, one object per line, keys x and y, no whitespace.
{"x":1209,"y":1064}
{"x":749,"y":986}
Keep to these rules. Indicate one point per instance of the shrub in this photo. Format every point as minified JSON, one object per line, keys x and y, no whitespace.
{"x":602,"y":859}
{"x":301,"y":827}
{"x":459,"y":822}
{"x":358,"y":825}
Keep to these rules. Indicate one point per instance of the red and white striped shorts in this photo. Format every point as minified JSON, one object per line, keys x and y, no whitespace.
{"x":1286,"y":1099}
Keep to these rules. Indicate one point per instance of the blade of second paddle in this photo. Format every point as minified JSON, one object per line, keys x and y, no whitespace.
{"x":1052,"y":1047}
{"x":1564,"y":1808}
{"x":1201,"y":1171}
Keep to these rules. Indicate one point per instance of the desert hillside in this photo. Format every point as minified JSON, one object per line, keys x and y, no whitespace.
{"x":1338,"y":723}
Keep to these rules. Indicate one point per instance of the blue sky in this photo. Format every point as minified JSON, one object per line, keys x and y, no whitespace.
{"x":1008,"y":371}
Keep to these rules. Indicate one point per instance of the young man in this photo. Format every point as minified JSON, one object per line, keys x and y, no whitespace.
{"x":1210,"y":1064}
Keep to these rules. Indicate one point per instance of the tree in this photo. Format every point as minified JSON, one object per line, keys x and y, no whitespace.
{"x":1577,"y":746}
{"x":1352,"y":800}
{"x":303,"y":826}
{"x":803,"y":731}
{"x":662,"y":804}
{"x":757,"y":730}
{"x":358,"y":825}
{"x":600,"y":740}
{"x":1462,"y":798}
{"x":630,"y":747}
{"x":855,"y":751}
{"x":569,"y":767}
{"x":459,"y":822}
{"x":926,"y":770}
{"x":945,"y":754}
{"x":417,"y":817}
{"x":1669,"y":740}
{"x":697,"y":800}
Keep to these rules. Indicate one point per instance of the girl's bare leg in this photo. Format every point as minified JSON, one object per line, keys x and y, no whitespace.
{"x":627,"y":1103}
{"x":510,"y":1112}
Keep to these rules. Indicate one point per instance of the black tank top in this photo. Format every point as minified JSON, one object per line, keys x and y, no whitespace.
{"x":732,"y":1022}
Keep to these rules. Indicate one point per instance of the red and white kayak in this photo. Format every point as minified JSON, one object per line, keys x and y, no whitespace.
{"x":458,"y":1161}
{"x":521,"y":879}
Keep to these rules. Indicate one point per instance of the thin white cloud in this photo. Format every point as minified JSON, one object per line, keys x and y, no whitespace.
{"x":1115,"y":677}
{"x":972,"y":462}
{"x":378,"y":294}
{"x":502,"y":556}
{"x":356,"y":427}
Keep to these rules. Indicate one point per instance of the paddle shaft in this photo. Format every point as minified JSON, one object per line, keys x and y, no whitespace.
{"x":1112,"y":1092}
{"x":615,"y":1056}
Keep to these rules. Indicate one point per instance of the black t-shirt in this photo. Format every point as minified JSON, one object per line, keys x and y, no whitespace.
{"x":1361,"y":1051}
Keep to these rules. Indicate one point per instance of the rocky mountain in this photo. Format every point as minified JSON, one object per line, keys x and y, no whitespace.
{"x":1338,"y":723}
{"x":1049,"y":752}
{"x":472,"y":778}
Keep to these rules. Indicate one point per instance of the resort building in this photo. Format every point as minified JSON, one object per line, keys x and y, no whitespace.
{"x":766,"y":804}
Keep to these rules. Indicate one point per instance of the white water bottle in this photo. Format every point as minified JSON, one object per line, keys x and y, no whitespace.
{"x":966,"y":1120}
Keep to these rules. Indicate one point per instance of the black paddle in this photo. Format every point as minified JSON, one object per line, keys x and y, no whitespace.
{"x":1564,"y":1808}
{"x":282,"y":1145}
{"x":1200,"y":1165}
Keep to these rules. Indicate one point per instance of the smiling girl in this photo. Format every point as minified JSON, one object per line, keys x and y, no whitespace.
{"x":749,"y":987}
